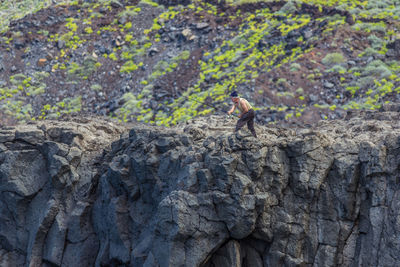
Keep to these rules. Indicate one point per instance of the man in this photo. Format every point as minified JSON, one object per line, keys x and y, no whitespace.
{"x":247,"y":113}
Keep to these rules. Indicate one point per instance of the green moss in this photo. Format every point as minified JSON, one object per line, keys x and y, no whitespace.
{"x":311,"y":77}
{"x":76,"y":70}
{"x":88,"y":30}
{"x":129,"y":66}
{"x":17,"y":78}
{"x":96,"y":87}
{"x":149,"y":2}
{"x":129,"y":12}
{"x":285,"y":94}
{"x":71,"y":25}
{"x":379,"y":27}
{"x":113,"y":57}
{"x":184,"y":55}
{"x":234,"y":63}
{"x":66,"y":106}
{"x":128,"y":25}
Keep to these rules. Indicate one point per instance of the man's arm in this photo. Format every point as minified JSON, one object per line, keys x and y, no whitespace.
{"x":232,"y":109}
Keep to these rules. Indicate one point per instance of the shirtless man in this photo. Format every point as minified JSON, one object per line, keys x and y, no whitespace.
{"x":247,"y":113}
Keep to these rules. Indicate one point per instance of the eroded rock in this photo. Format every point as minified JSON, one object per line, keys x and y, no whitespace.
{"x":199,"y":195}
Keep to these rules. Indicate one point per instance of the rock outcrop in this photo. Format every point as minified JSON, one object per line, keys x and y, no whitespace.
{"x":200,"y":195}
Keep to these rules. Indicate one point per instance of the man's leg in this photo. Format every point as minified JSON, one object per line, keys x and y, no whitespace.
{"x":250,"y":123}
{"x":240,"y":123}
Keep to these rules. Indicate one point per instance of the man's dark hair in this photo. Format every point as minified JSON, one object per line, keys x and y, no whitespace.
{"x":234,"y":94}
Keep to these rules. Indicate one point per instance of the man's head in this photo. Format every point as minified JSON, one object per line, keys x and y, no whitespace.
{"x":234,"y":96}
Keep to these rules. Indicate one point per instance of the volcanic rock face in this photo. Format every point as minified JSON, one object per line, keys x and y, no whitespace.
{"x":199,"y":195}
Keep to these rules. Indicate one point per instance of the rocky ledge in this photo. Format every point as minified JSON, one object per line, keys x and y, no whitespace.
{"x":94,"y":193}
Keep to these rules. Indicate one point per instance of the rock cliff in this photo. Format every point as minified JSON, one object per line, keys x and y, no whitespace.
{"x":93,"y":193}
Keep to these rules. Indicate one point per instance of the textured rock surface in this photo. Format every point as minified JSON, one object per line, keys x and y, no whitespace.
{"x":199,"y":195}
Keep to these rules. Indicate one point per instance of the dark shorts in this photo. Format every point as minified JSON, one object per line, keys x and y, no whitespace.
{"x":247,"y":118}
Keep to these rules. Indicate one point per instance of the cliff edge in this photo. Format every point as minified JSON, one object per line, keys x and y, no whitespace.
{"x":94,"y":193}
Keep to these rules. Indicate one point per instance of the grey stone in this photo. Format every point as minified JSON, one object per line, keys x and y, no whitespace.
{"x":227,"y":256}
{"x":165,"y":143}
{"x":252,"y":257}
{"x":116,"y":4}
{"x":153,"y":51}
{"x":326,"y":196}
{"x":19,"y":43}
{"x":2,"y":148}
{"x":60,"y":44}
{"x":81,"y":254}
{"x":39,"y":230}
{"x":23,"y":172}
{"x":30,"y":136}
{"x":202,"y":25}
{"x":74,"y":156}
{"x":12,"y":258}
{"x":325,"y":256}
{"x":55,"y":240}
{"x":150,"y":261}
{"x":313,"y":98}
{"x":329,"y":85}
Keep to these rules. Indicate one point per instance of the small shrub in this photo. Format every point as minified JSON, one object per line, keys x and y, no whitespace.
{"x":88,"y":30}
{"x":288,"y":8}
{"x":295,"y":67}
{"x":375,"y":42}
{"x":184,"y":55}
{"x":337,"y":69}
{"x":128,"y":25}
{"x":113,"y":57}
{"x":281,"y":82}
{"x":96,"y":87}
{"x":378,"y":28}
{"x":149,"y":2}
{"x":127,"y":13}
{"x":366,"y":82}
{"x":147,"y":90}
{"x":161,"y":65}
{"x":311,"y":77}
{"x":369,"y":52}
{"x":333,"y":58}
{"x":285,"y":94}
{"x":377,"y":69}
{"x":129,"y":66}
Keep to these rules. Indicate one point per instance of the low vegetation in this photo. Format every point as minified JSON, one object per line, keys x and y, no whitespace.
{"x":278,"y":58}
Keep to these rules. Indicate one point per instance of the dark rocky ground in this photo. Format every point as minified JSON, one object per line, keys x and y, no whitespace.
{"x":51,"y":63}
{"x":92,"y":193}
{"x":79,"y":188}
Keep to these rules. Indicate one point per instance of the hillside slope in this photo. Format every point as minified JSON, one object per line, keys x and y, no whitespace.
{"x":199,"y":195}
{"x":162,"y":64}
